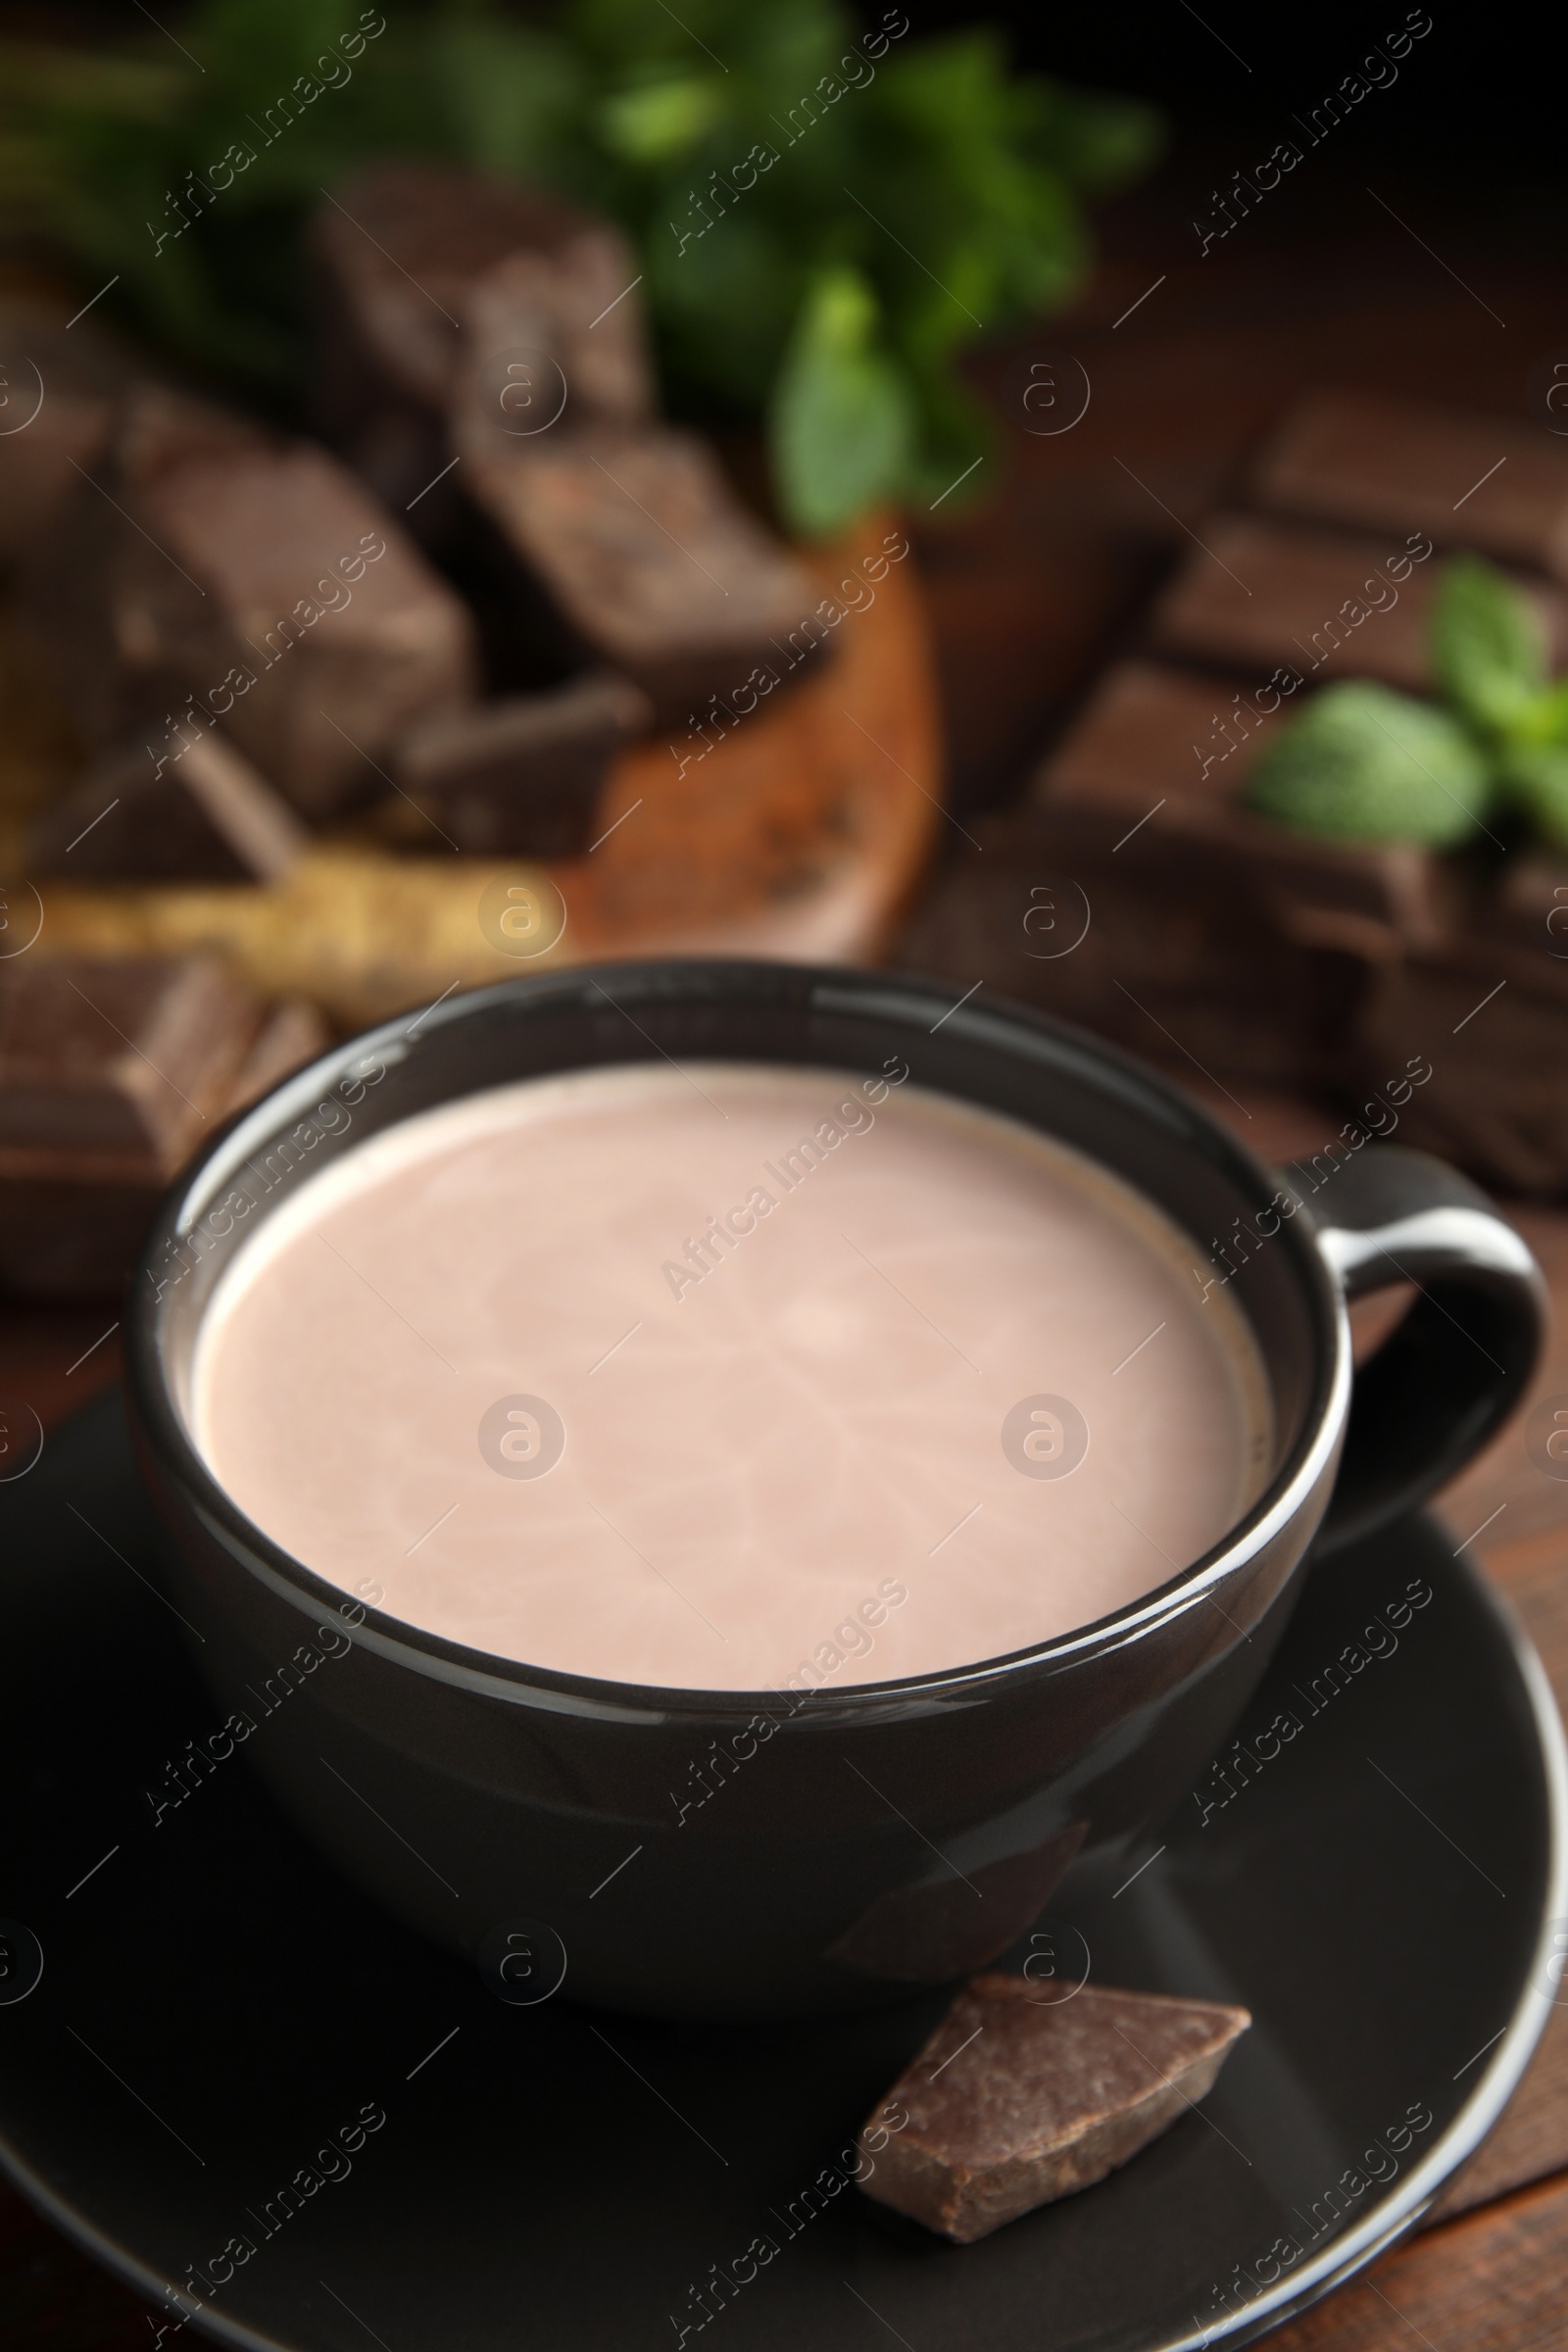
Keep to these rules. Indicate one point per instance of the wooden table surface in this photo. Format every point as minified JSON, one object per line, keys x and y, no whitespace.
{"x":1029,"y":595}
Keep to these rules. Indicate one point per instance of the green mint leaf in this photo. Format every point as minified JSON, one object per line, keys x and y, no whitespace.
{"x":1362,"y":764}
{"x":661,"y":122}
{"x":1542,"y":720}
{"x":1489,"y":649}
{"x":843,"y":418}
{"x":1539,"y":780}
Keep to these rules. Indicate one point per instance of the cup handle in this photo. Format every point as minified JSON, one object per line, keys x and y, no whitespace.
{"x":1461,"y":1360}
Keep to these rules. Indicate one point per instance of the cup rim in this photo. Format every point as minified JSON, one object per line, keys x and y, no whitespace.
{"x":900,"y":997}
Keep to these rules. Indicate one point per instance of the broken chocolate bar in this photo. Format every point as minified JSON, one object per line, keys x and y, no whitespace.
{"x":399,"y":251}
{"x":112,"y":1068}
{"x":1400,"y":466}
{"x":1309,"y":606}
{"x":1180,"y":944}
{"x":1490,"y":1020}
{"x":1021,"y":2096}
{"x":213,"y":572}
{"x":639,"y":544}
{"x":520,"y":775}
{"x":1151,"y":735}
{"x":1157,"y":749}
{"x":206,"y":815}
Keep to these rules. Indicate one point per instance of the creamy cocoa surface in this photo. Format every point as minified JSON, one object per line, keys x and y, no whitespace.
{"x":730,"y":1377}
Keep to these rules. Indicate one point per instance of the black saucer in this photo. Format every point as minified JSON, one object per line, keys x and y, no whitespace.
{"x":215,"y":2009}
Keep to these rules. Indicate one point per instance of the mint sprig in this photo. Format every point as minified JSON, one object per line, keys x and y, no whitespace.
{"x":1364,"y":764}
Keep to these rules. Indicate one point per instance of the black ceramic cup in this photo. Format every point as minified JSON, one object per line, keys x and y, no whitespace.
{"x":856,"y":1842}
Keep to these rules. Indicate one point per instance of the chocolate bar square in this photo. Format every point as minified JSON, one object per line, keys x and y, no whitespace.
{"x":1400,"y":466}
{"x":1315,"y":606}
{"x":1151,"y":734}
{"x":1180,"y":945}
{"x":1527,"y":906}
{"x":1490,"y":1019}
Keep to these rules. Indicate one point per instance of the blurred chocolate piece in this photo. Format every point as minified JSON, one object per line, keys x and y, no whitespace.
{"x":112,"y":1069}
{"x":638,"y":543}
{"x":1182,"y":945}
{"x":292,"y":1033}
{"x":1492,"y":1022}
{"x":1152,"y":734}
{"x":127,"y":1055}
{"x":210,"y":572}
{"x":533,"y":306}
{"x":1528,"y":905}
{"x":204,"y":814}
{"x":1158,"y":750}
{"x":160,"y":428}
{"x":58,"y":391}
{"x":71,"y":1234}
{"x":1400,"y":466}
{"x":399,"y":250}
{"x":1314,"y":605}
{"x":522,"y":775}
{"x":1020,"y":2097}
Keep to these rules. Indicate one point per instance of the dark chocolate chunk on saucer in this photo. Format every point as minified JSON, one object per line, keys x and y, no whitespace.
{"x":1020,"y":2097}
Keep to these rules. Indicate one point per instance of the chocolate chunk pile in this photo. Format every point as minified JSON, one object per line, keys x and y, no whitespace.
{"x":439,"y":623}
{"x":1020,"y":2097}
{"x":1276,"y":955}
{"x":503,"y":570}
